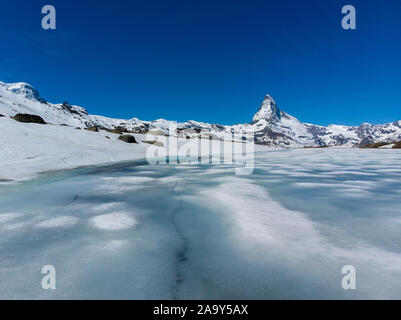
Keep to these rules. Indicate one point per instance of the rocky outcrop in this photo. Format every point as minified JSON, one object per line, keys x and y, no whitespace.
{"x":378,"y":145}
{"x":93,"y":128}
{"x":156,"y":143}
{"x":28,"y":118}
{"x":127,"y":138}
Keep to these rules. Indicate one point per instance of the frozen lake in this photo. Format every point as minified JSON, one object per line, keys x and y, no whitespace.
{"x":139,"y":231}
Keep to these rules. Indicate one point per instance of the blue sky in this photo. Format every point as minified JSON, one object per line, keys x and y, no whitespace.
{"x":210,"y":61}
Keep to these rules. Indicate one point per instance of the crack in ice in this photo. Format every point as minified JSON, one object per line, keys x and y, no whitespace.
{"x":181,"y":255}
{"x":74,"y":199}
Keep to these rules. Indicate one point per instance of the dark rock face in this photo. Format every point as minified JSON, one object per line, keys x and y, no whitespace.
{"x":1,"y":116}
{"x":268,"y":137}
{"x":73,"y":110}
{"x":156,"y":143}
{"x":94,"y":129}
{"x":397,"y":145}
{"x":117,"y":130}
{"x":127,"y":138}
{"x":366,"y":141}
{"x":218,"y":127}
{"x":374,"y":145}
{"x":121,"y":129}
{"x":28,"y":118}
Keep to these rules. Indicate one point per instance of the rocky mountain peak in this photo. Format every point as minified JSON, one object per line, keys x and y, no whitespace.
{"x":268,"y":111}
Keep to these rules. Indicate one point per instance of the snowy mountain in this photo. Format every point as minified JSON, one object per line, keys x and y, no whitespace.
{"x":272,"y":126}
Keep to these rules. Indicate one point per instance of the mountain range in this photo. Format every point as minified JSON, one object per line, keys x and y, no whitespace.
{"x":272,"y":126}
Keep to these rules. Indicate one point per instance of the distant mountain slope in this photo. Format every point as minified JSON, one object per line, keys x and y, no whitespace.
{"x":272,"y":126}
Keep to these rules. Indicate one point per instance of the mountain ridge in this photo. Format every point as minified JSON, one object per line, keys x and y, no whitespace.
{"x":271,"y":125}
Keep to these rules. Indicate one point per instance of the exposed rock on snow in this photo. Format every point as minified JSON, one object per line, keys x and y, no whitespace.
{"x":28,"y":118}
{"x":383,"y":145}
{"x":94,"y":129}
{"x":127,"y":138}
{"x":156,"y":143}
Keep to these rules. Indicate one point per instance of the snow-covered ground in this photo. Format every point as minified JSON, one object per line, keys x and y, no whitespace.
{"x":27,"y":148}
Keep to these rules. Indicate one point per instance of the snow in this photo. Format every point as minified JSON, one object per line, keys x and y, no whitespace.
{"x":27,"y":149}
{"x":114,"y":221}
{"x":59,"y":222}
{"x":6,"y":217}
{"x":389,"y":146}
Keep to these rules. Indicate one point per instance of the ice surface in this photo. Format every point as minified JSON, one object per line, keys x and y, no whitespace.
{"x":65,"y":222}
{"x":135,"y":231}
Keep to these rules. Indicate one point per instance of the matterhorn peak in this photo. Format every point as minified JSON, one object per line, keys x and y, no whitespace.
{"x":268,"y":97}
{"x":268,"y":110}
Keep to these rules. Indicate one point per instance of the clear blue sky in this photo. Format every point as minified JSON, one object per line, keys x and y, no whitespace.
{"x":210,"y":61}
